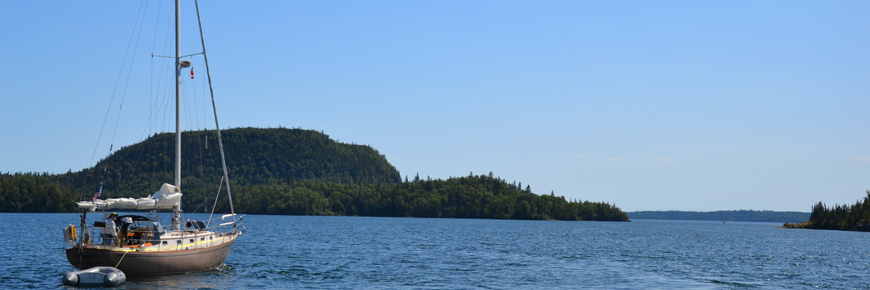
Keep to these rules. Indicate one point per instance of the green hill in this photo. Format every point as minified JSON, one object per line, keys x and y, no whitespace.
{"x":288,"y":171}
{"x":254,"y":156}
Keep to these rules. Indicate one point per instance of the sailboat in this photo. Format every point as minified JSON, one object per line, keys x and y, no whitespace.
{"x":143,"y":245}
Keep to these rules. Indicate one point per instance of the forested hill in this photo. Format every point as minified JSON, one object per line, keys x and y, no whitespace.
{"x":288,"y":171}
{"x":254,"y":156}
{"x":726,"y":215}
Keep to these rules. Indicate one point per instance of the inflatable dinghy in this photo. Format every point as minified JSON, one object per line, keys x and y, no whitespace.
{"x":96,"y":276}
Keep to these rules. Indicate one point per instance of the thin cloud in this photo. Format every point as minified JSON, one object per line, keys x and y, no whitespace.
{"x":663,"y":160}
{"x":865,"y":159}
{"x":618,"y":160}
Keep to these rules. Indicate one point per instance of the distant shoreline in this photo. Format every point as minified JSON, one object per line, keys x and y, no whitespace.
{"x":727,"y":215}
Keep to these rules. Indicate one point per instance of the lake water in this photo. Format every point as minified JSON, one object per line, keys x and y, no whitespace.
{"x":412,"y":253}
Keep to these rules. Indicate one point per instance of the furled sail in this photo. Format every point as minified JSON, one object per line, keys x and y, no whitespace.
{"x":164,"y":199}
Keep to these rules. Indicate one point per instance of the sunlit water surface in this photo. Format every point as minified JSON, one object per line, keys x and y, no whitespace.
{"x":413,"y":253}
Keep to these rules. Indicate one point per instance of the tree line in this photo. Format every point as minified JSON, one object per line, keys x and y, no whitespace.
{"x":459,"y":197}
{"x":31,"y":192}
{"x":725,"y":215}
{"x":854,"y":217}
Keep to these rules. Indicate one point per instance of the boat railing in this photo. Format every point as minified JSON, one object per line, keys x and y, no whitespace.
{"x":214,"y":224}
{"x":150,"y":233}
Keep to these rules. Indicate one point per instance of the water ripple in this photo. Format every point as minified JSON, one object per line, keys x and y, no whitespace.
{"x":280,"y":252}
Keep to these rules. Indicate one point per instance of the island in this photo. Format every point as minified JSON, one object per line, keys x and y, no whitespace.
{"x":286,"y":171}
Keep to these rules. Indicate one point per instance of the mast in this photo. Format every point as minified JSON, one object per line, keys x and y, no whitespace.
{"x":176,"y":220}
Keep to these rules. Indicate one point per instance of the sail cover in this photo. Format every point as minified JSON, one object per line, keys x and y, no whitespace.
{"x":164,"y":199}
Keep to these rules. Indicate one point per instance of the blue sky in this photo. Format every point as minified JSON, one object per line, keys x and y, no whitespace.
{"x":666,"y":105}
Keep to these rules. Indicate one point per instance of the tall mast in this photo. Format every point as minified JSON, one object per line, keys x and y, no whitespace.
{"x":176,"y":220}
{"x":177,"y":95}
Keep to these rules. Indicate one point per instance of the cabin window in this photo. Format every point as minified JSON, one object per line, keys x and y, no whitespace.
{"x":178,"y":241}
{"x":165,"y":243}
{"x":191,"y":240}
{"x":202,"y":239}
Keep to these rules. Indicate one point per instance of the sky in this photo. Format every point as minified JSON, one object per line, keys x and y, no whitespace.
{"x":649,"y":105}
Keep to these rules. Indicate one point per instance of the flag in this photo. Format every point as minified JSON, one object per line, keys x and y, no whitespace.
{"x":191,"y":73}
{"x":98,"y":194}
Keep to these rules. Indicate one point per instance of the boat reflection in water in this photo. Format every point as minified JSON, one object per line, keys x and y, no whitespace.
{"x":214,"y":278}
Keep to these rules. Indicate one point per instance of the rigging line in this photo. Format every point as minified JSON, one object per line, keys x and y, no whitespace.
{"x":150,"y":102}
{"x":195,"y":139}
{"x":129,"y":73}
{"x":197,"y":144}
{"x":187,"y":106}
{"x":157,"y":126}
{"x":204,"y":108}
{"x":204,"y":134}
{"x":112,"y":99}
{"x":139,"y":153}
{"x":152,"y":120}
{"x":156,"y":26}
{"x":163,"y":70}
{"x":165,"y":106}
{"x":216,"y":195}
{"x":201,"y":176}
{"x":214,"y":108}
{"x":151,"y":84}
{"x":122,"y":258}
{"x":121,"y":173}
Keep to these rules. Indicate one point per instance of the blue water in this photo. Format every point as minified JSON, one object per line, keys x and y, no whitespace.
{"x":411,"y":253}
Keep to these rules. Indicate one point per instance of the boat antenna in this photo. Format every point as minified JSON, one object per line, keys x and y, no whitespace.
{"x":214,"y":108}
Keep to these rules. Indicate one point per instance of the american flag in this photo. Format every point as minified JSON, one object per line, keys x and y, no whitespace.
{"x":98,"y":194}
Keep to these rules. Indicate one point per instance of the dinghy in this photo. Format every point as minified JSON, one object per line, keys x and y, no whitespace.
{"x":96,"y":276}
